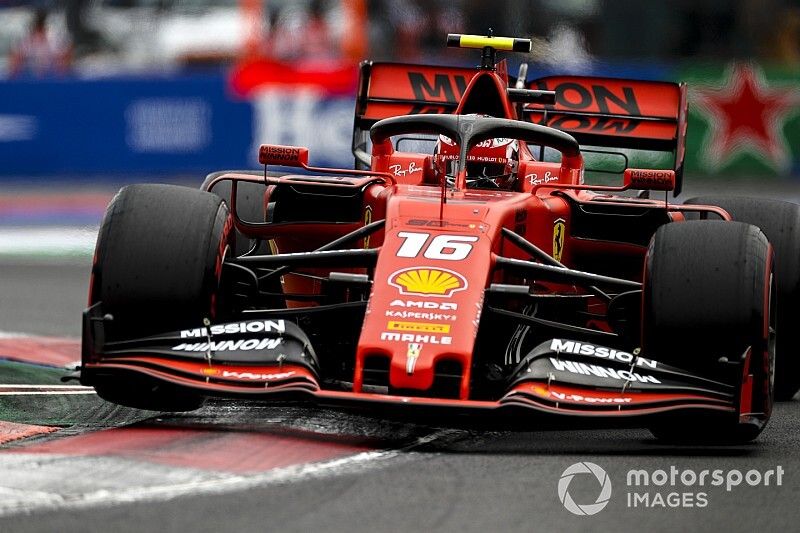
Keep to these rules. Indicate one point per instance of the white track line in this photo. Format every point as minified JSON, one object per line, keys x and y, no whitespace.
{"x":46,"y":393}
{"x":14,"y":335}
{"x":34,"y":336}
{"x":16,"y":501}
{"x":43,"y":387}
{"x":47,"y":241}
{"x":11,"y":389}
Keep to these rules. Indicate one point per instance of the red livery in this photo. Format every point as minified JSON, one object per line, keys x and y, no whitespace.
{"x":465,"y":264}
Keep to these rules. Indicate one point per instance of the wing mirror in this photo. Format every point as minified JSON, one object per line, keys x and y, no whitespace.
{"x":648,"y":179}
{"x":287,"y":156}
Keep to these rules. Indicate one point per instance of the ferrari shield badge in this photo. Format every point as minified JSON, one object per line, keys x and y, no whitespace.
{"x":558,"y":238}
{"x":367,"y":222}
{"x":411,"y":357}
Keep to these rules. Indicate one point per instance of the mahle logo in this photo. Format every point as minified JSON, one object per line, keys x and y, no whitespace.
{"x":582,"y":469}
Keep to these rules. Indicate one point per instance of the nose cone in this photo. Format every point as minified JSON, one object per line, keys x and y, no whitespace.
{"x":424,"y":311}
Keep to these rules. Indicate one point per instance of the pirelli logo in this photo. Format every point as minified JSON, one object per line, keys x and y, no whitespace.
{"x":423,"y":327}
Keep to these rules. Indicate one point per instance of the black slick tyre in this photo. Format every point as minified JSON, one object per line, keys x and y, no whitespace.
{"x":157,"y":269}
{"x":158,"y":259}
{"x":706,"y":302}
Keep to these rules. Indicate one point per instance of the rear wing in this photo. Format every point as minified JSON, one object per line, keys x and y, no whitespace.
{"x":597,"y":111}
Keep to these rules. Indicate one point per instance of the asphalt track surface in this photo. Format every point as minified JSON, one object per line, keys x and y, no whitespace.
{"x":249,"y":467}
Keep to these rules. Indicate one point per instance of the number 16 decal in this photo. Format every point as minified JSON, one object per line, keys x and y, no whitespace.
{"x":444,"y":247}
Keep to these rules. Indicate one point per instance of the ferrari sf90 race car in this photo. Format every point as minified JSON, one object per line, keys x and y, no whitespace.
{"x":465,"y":265}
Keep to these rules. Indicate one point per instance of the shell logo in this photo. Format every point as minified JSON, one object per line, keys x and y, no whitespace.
{"x":428,"y":281}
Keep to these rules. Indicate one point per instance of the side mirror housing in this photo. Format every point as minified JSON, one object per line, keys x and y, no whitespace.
{"x":649,"y":179}
{"x":287,"y":156}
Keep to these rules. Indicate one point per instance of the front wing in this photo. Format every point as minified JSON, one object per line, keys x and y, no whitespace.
{"x":555,"y":378}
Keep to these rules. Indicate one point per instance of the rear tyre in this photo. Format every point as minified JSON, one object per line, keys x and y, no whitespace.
{"x":157,"y":269}
{"x":780,"y":222}
{"x":706,"y":296}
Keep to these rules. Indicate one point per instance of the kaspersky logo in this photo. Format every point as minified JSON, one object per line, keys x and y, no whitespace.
{"x":427,"y":281}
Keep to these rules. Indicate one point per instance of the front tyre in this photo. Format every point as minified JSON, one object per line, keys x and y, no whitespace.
{"x":157,"y":269}
{"x":159,"y":258}
{"x":706,"y":303}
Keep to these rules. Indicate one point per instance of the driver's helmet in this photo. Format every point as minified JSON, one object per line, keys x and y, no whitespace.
{"x":491,"y":164}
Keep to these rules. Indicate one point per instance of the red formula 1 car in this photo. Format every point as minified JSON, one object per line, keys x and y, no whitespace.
{"x":478,"y":274}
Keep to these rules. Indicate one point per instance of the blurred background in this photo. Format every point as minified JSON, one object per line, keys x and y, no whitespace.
{"x":96,"y":93}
